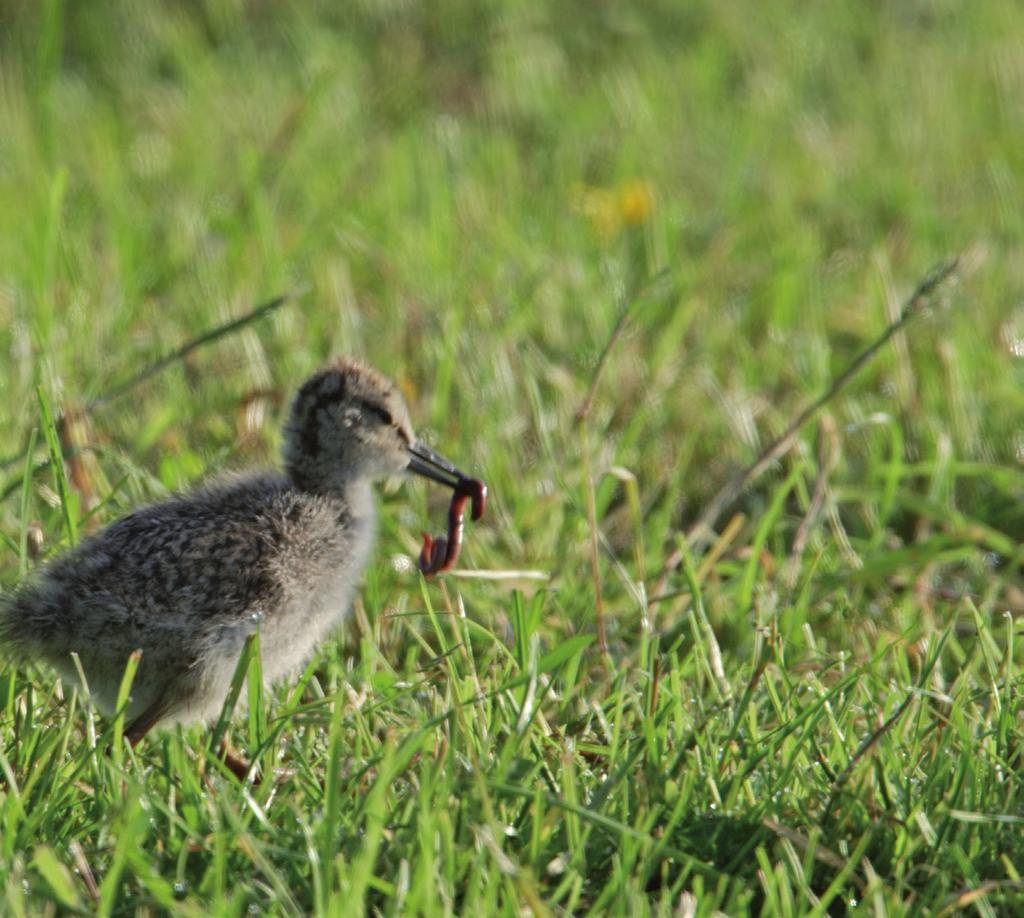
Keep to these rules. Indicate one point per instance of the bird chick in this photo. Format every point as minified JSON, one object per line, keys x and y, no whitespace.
{"x":188,"y":579}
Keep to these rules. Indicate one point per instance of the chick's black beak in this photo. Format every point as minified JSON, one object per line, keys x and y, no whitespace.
{"x":424,"y":461}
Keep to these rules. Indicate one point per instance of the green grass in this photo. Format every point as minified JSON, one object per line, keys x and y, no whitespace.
{"x":821,"y":715}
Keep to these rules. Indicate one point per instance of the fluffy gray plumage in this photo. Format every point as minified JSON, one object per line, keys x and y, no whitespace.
{"x":188,"y":579}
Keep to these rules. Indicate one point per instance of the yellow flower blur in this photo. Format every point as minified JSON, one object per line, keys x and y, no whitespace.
{"x":608,"y":210}
{"x":636,"y":201}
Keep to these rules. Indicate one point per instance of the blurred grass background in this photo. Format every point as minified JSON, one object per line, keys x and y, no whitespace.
{"x":466,"y":195}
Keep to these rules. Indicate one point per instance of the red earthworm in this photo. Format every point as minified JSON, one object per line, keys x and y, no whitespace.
{"x":440,"y":554}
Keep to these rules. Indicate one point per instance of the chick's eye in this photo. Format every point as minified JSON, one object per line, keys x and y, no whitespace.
{"x":379,"y":412}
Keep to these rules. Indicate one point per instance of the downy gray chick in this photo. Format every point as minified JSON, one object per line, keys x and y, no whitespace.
{"x":188,"y":579}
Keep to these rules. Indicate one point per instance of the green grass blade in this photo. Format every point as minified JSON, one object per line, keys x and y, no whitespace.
{"x":68,"y":503}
